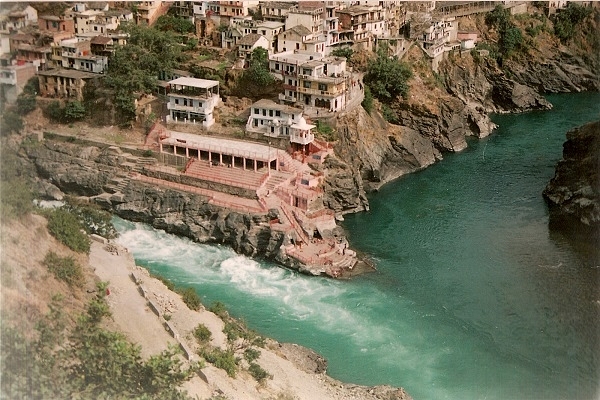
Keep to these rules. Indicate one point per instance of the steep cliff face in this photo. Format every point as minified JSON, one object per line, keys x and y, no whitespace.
{"x":442,"y":110}
{"x":573,"y":195}
{"x":482,"y":85}
{"x":370,"y":152}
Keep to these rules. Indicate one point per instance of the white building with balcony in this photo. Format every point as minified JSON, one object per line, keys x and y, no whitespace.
{"x":312,"y":80}
{"x":193,"y":100}
{"x":278,"y":120}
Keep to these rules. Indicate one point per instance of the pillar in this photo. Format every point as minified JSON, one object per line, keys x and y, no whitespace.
{"x":174,"y":149}
{"x":255,"y":162}
{"x":220,"y":158}
{"x":232,"y":161}
{"x":244,"y":162}
{"x":187,"y":151}
{"x":210,"y":156}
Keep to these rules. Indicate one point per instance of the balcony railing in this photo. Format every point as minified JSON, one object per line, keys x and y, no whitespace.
{"x":320,"y":92}
{"x":287,"y":98}
{"x":201,"y":110}
{"x":303,"y":140}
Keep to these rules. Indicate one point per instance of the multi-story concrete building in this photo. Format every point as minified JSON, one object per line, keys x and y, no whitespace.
{"x":236,"y":8}
{"x":13,"y":79}
{"x":248,"y":43}
{"x":307,"y":14}
{"x":268,"y":29}
{"x":76,"y":53}
{"x":276,"y":10}
{"x":57,"y":24}
{"x":193,"y":100}
{"x":278,"y":120}
{"x":312,"y":80}
{"x":17,"y":17}
{"x":183,"y":9}
{"x":364,"y":22}
{"x":64,"y":83}
{"x":301,"y":38}
{"x":149,"y":11}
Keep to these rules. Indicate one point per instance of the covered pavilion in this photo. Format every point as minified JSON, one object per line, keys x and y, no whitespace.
{"x":219,"y":151}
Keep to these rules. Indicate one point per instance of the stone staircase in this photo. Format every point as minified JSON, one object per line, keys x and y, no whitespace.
{"x":287,"y":162}
{"x":236,"y":177}
{"x":131,"y":163}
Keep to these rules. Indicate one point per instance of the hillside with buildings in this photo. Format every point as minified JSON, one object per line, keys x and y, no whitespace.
{"x":259,"y":124}
{"x":346,"y":96}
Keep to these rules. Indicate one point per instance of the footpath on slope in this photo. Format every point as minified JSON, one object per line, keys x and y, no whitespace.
{"x":136,"y":318}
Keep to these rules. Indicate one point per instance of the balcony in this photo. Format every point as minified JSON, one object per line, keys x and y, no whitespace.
{"x":291,"y":99}
{"x":179,"y":107}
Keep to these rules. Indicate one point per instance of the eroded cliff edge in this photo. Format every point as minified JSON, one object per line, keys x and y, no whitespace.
{"x":443,"y":110}
{"x":573,"y":195}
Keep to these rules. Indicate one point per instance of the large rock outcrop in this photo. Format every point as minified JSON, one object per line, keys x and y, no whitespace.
{"x":89,"y":171}
{"x":573,"y":195}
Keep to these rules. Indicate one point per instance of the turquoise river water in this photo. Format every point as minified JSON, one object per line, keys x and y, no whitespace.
{"x":473,"y":298}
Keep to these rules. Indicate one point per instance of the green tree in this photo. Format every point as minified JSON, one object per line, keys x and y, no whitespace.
{"x":387,"y":77}
{"x":55,"y":112}
{"x":499,"y":17}
{"x":367,"y":102}
{"x":258,"y":71}
{"x":566,"y":20}
{"x":511,"y":39}
{"x":134,"y":67}
{"x":343,"y":52}
{"x":174,"y":23}
{"x":65,"y":227}
{"x":74,"y":111}
{"x":26,"y":101}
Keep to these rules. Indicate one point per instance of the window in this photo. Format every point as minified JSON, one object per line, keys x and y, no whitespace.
{"x":264,"y":112}
{"x":306,"y":84}
{"x":256,"y":111}
{"x":278,"y":113}
{"x":322,"y":86}
{"x":277,"y":66}
{"x":270,"y":113}
{"x":289,"y":82}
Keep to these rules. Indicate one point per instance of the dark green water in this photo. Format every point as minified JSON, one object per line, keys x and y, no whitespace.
{"x":473,"y":299}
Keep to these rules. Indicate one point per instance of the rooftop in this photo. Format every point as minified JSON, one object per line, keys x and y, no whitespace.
{"x":194,"y":82}
{"x":68,"y":73}
{"x":225,"y":146}
{"x":249,"y":39}
{"x":101,"y":40}
{"x":300,"y":30}
{"x":279,"y":4}
{"x":270,"y":104}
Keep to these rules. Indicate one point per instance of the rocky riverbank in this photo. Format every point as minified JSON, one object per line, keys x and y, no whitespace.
{"x":573,"y":195}
{"x":438,"y":119}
